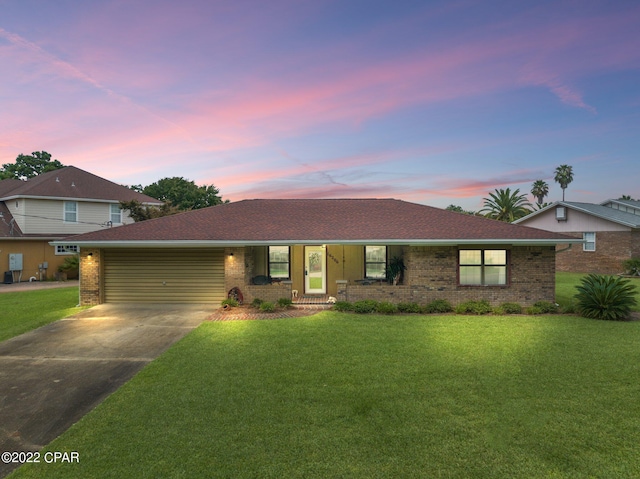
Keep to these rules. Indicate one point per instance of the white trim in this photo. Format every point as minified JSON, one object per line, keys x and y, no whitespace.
{"x":409,"y":242}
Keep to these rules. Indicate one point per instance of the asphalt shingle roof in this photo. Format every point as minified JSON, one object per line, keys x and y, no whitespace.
{"x":628,"y":219}
{"x":71,"y":182}
{"x":320,"y":220}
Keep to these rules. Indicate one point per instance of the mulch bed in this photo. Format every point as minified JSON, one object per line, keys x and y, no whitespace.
{"x":247,"y":313}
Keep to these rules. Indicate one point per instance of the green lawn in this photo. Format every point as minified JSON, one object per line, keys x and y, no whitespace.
{"x":340,"y":395}
{"x":566,"y":283}
{"x":26,"y":310}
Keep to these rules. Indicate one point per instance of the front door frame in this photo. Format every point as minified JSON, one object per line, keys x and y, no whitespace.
{"x":308,"y":274}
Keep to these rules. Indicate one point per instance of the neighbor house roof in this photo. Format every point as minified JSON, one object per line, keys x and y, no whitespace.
{"x":599,"y":211}
{"x":70,"y":183}
{"x":318,"y":221}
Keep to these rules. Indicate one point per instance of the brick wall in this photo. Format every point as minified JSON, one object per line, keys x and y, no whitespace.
{"x":90,"y":284}
{"x":612,"y":249}
{"x":432,"y":274}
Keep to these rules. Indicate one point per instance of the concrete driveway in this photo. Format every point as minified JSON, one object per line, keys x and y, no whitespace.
{"x":52,"y":376}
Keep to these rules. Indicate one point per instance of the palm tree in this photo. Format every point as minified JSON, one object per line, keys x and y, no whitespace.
{"x":503,"y":205}
{"x":540,"y":189}
{"x":564,"y":176}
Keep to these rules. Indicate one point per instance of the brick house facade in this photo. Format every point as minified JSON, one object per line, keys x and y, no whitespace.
{"x":197,"y":256}
{"x":609,"y":233}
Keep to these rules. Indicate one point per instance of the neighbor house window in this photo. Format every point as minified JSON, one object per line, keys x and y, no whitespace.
{"x":67,"y":249}
{"x":590,"y":242}
{"x":375,"y":261}
{"x":483,"y":267}
{"x":279,"y":262}
{"x":115,"y":215}
{"x":70,"y":212}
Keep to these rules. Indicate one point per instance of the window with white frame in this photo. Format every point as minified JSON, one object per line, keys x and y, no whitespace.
{"x":70,"y":211}
{"x":67,"y":249}
{"x":483,"y":267}
{"x":590,"y":241}
{"x":375,"y":262}
{"x":279,"y":262}
{"x":115,"y":214}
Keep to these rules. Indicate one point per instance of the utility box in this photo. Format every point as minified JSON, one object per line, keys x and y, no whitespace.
{"x":15,"y":261}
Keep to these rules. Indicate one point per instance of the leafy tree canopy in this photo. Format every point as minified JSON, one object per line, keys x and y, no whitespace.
{"x":183,"y":194}
{"x":140,"y":212}
{"x":28,"y":166}
{"x":459,"y":209}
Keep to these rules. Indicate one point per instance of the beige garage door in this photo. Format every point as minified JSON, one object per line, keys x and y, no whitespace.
{"x":164,"y":275}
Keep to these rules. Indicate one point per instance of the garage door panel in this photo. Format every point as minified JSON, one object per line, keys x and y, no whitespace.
{"x":164,"y":276}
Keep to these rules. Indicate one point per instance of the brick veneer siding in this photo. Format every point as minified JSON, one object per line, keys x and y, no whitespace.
{"x":238,"y":271}
{"x":432,"y":274}
{"x":90,"y":277}
{"x":612,"y":249}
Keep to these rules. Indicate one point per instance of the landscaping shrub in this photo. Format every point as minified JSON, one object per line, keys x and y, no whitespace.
{"x":511,"y":308}
{"x":474,"y":307}
{"x":267,"y":307}
{"x":385,"y":307}
{"x":256,"y":303}
{"x":343,"y":306}
{"x":285,"y":302}
{"x":365,"y":306}
{"x":409,"y":308}
{"x":438,"y":306}
{"x":632,"y":266}
{"x":230,"y":302}
{"x":499,"y":311}
{"x":605,"y":297}
{"x":546,"y":307}
{"x":533,"y":310}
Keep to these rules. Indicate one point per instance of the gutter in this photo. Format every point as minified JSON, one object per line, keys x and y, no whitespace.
{"x":240,"y":243}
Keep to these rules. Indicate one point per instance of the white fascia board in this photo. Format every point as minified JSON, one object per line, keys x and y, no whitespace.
{"x":68,"y":198}
{"x":221,"y":244}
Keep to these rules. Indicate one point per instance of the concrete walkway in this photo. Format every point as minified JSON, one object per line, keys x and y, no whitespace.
{"x":52,"y":376}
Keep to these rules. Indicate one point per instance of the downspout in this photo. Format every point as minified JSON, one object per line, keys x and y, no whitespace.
{"x":565,"y":249}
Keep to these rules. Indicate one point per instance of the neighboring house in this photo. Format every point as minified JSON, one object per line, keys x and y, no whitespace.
{"x":52,"y":206}
{"x":610,"y":233}
{"x":318,"y":247}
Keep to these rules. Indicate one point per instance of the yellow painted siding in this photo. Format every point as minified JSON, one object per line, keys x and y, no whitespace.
{"x":164,"y":275}
{"x":34,"y":253}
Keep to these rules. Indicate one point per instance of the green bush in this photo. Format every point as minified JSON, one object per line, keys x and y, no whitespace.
{"x":256,"y":303}
{"x":605,"y":297}
{"x":343,"y":306}
{"x":230,"y":302}
{"x":438,"y":306}
{"x":409,"y":308}
{"x":499,"y":311}
{"x":365,"y":306}
{"x":285,"y":302}
{"x":533,"y":310}
{"x":385,"y":307}
{"x":632,"y":266}
{"x":511,"y":308}
{"x":546,"y":307}
{"x":474,"y":307}
{"x":267,"y":307}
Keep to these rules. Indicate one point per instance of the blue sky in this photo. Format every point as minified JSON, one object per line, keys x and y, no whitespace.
{"x":433,"y":102}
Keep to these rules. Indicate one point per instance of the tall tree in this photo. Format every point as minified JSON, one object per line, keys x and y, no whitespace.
{"x":564,"y":176}
{"x":28,"y":166}
{"x":140,"y":212}
{"x":183,"y":194}
{"x":504,"y":205}
{"x":459,"y":209}
{"x":540,"y":189}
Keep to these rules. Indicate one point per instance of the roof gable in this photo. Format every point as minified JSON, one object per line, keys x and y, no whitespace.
{"x":71,"y":182}
{"x":322,"y":221}
{"x":599,"y":211}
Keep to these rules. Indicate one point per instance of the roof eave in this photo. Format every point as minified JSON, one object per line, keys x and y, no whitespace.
{"x":70,"y":198}
{"x":240,"y":243}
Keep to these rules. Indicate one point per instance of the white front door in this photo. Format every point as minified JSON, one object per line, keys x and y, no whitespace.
{"x":315,"y":268}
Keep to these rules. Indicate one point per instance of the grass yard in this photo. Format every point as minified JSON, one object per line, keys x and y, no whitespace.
{"x":27,"y":310}
{"x":566,"y":283}
{"x":341,"y":395}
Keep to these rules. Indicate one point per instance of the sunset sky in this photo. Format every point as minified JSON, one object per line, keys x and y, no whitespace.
{"x":436,"y":102}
